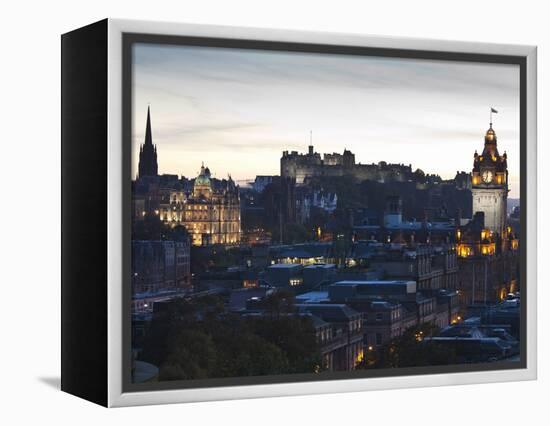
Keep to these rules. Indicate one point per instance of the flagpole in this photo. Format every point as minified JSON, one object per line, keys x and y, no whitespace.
{"x":491,"y":115}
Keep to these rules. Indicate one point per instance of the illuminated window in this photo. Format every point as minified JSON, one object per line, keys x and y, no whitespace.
{"x":250,"y":283}
{"x":360,"y":356}
{"x":295,"y":281}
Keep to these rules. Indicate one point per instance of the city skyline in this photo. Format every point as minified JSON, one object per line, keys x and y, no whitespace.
{"x":252,"y":105}
{"x":331,"y":263}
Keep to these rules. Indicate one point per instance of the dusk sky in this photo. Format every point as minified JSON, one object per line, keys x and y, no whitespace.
{"x":237,"y":110}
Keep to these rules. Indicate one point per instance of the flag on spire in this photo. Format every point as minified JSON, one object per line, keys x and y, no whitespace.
{"x":491,"y":116}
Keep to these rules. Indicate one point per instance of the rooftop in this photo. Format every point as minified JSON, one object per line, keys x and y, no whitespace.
{"x":285,"y":266}
{"x":329,"y":311}
{"x":313,"y":297}
{"x":321,"y":266}
{"x":375,"y":282}
{"x":317,"y":322}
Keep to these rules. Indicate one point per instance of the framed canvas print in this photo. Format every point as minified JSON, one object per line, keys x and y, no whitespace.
{"x":252,"y":213}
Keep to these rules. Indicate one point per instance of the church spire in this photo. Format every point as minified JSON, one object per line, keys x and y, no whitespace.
{"x":148,"y":138}
{"x":148,"y":152}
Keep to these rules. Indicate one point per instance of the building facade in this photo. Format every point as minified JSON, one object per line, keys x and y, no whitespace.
{"x":432,"y":267}
{"x":342,"y":346}
{"x":210,"y":211}
{"x":160,"y":266}
{"x":208,"y":208}
{"x":487,"y":247}
{"x":490,"y":184}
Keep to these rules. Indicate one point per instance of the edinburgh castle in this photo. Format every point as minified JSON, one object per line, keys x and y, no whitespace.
{"x":304,"y":166}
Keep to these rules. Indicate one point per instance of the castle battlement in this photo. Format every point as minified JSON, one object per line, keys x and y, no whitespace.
{"x":303,"y":166}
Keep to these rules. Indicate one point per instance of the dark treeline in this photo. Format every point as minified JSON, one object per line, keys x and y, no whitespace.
{"x":194,"y":339}
{"x":410,"y":350}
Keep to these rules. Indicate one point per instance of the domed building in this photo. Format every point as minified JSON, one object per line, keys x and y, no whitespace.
{"x":209,"y":209}
{"x":202,"y":186}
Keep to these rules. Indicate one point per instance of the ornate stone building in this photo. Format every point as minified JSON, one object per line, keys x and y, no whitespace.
{"x":488,"y":233}
{"x":487,"y":246}
{"x":209,"y":209}
{"x":490,"y":184}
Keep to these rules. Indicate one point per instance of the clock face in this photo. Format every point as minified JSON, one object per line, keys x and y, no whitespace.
{"x":487,"y":176}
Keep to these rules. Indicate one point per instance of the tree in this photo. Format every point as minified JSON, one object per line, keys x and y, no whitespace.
{"x":278,"y":302}
{"x":410,"y":350}
{"x":293,"y":233}
{"x":246,"y":354}
{"x":177,"y":233}
{"x":295,"y":336}
{"x":196,"y":338}
{"x":192,"y":356}
{"x":150,"y":228}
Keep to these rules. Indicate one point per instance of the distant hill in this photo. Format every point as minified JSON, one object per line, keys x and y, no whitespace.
{"x":245,"y":183}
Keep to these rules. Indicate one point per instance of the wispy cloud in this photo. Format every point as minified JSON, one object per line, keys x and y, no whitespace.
{"x":241,"y":108}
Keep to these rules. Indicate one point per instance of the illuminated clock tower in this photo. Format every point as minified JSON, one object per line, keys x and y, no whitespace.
{"x":490,"y":184}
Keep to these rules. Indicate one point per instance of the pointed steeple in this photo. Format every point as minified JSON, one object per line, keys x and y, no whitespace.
{"x":148,"y":138}
{"x":148,"y":152}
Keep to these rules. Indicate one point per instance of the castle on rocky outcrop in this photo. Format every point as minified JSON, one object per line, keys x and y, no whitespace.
{"x":302,"y":167}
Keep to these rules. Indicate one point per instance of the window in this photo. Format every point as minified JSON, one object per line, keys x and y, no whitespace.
{"x":379,"y":316}
{"x":378,"y":338}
